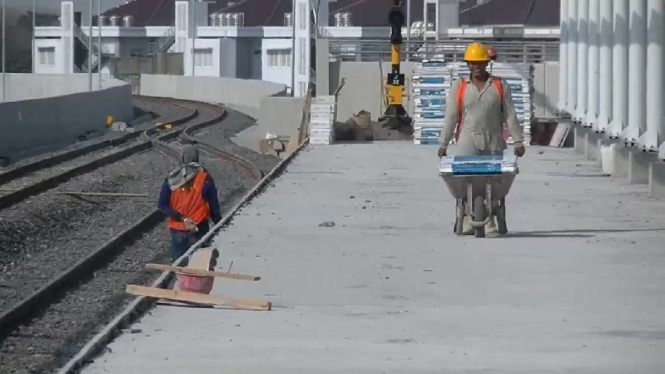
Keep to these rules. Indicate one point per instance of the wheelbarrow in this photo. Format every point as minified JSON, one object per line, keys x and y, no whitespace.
{"x":480,"y":185}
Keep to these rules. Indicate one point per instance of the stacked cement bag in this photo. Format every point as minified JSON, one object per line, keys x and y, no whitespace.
{"x":430,"y":84}
{"x":520,"y":78}
{"x":322,"y":115}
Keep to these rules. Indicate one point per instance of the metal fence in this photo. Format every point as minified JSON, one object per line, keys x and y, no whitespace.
{"x":527,"y":51}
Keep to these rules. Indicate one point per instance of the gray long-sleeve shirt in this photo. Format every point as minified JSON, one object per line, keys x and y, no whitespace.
{"x":483,"y":117}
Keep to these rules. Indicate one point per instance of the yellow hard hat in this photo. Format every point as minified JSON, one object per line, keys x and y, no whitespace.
{"x":476,"y":52}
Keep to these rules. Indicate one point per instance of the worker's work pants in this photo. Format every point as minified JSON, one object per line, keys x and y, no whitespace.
{"x":181,"y":241}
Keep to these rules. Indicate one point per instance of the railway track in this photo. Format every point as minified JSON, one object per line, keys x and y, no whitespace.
{"x":32,"y":328}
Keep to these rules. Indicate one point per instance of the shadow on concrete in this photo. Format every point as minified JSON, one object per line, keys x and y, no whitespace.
{"x":570,"y":233}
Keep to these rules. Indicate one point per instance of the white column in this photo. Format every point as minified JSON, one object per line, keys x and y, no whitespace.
{"x":619,"y":69}
{"x":181,"y":29}
{"x":637,"y":77}
{"x":302,"y":46}
{"x":67,"y":25}
{"x":582,"y":58}
{"x":572,"y":56}
{"x":594,"y":64}
{"x":563,"y":58}
{"x":605,"y":85}
{"x":655,"y":129}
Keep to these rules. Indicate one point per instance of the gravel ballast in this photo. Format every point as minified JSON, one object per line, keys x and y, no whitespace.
{"x":220,"y":137}
{"x":48,"y":233}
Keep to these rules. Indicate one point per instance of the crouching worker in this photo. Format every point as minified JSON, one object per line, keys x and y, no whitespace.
{"x":189,"y":198}
{"x":476,"y":109}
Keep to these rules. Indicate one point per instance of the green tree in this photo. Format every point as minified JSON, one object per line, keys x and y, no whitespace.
{"x":18,"y":35}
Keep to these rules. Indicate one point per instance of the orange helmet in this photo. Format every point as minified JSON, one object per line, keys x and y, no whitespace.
{"x":492,"y":53}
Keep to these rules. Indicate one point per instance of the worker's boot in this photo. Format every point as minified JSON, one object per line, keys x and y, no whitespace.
{"x":467,"y":229}
{"x":490,"y":227}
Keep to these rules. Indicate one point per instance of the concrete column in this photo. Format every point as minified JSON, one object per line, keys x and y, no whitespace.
{"x":563,"y":57}
{"x":619,"y":69}
{"x":655,"y":129}
{"x":591,"y":119}
{"x":605,"y":67}
{"x":582,"y":58}
{"x":572,"y":56}
{"x":637,"y":77}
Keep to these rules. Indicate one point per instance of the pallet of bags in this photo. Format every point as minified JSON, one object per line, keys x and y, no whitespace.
{"x":322,"y":115}
{"x":431,"y":83}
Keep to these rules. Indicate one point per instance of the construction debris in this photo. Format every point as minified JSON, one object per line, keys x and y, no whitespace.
{"x":195,"y":281}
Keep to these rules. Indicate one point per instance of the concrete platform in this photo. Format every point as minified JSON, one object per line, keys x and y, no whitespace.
{"x":576,"y":288}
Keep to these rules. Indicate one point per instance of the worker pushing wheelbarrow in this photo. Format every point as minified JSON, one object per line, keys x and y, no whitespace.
{"x":476,"y":109}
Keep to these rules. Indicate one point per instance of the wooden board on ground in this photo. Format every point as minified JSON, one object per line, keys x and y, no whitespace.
{"x":176,"y":295}
{"x":201,"y":272}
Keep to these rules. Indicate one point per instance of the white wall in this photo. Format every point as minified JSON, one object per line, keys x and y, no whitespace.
{"x":243,"y":92}
{"x":275,"y":74}
{"x":32,"y":86}
{"x":210,"y":71}
{"x":56,"y":65}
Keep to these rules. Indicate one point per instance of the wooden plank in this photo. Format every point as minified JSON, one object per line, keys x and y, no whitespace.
{"x":102,"y":194}
{"x":201,"y":272}
{"x":191,"y":297}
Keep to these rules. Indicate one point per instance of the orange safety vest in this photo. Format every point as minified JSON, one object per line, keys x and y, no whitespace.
{"x":189,"y":202}
{"x":460,"y":101}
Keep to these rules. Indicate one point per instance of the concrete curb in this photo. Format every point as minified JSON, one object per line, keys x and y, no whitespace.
{"x":141,"y":304}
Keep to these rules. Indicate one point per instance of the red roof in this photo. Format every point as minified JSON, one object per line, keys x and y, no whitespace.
{"x":363,"y":12}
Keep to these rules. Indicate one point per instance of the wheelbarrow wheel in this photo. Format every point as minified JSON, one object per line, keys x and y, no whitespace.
{"x":479,"y":215}
{"x":502,"y":227}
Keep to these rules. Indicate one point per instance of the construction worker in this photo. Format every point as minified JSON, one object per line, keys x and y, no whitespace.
{"x":476,"y":109}
{"x":189,"y":198}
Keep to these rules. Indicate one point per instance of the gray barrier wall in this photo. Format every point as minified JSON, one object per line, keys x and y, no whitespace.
{"x":39,"y":123}
{"x":32,"y":86}
{"x":231,"y":91}
{"x":280,"y":116}
{"x":363,"y":87}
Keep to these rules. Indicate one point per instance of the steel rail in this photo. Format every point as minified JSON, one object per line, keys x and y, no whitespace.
{"x":48,"y":292}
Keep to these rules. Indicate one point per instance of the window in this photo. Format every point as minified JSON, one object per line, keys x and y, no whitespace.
{"x":46,"y":56}
{"x":279,"y":58}
{"x":203,"y":57}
